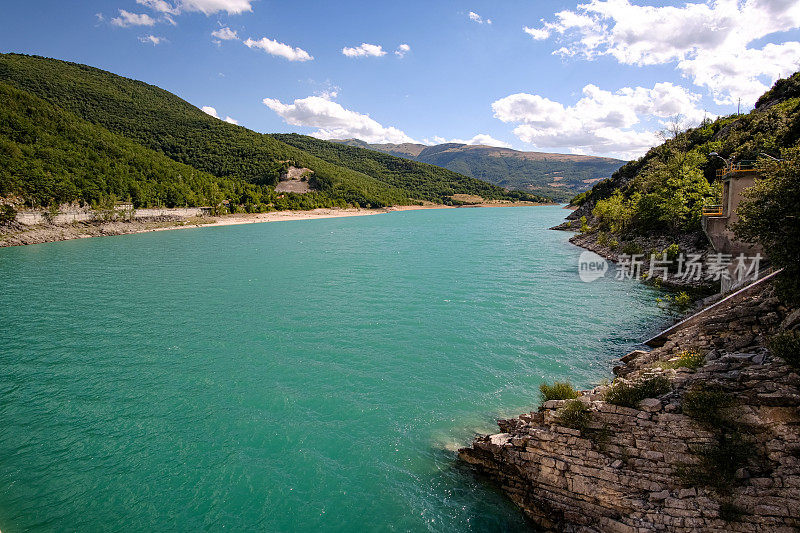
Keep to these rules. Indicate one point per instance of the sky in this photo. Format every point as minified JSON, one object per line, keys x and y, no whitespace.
{"x":603,"y":77}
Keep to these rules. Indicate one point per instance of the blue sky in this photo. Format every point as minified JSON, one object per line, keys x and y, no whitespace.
{"x":600,"y":77}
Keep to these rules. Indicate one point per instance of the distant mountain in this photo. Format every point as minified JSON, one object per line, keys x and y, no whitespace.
{"x":559,"y":176}
{"x":429,"y":182}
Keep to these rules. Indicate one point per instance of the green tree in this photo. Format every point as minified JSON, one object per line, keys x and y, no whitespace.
{"x":770,"y":216}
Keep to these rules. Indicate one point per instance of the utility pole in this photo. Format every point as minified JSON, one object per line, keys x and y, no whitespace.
{"x":739,"y":107}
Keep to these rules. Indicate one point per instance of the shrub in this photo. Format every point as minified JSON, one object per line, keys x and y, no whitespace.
{"x":7,"y":214}
{"x":706,"y":403}
{"x":691,"y":359}
{"x":786,"y":345}
{"x":672,"y":252}
{"x":579,"y":199}
{"x":632,"y":248}
{"x":557,"y":391}
{"x":584,"y":225}
{"x":574,"y":414}
{"x":630,"y":394}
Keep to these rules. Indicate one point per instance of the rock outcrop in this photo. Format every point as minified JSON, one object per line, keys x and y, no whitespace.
{"x":718,"y":451}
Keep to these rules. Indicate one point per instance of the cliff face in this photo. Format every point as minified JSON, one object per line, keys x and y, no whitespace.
{"x":719,"y":451}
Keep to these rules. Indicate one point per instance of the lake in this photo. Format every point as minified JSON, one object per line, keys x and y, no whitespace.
{"x":291,"y":376}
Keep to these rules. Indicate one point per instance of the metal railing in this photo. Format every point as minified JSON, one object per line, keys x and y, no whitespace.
{"x":738,"y":166}
{"x":712,"y":207}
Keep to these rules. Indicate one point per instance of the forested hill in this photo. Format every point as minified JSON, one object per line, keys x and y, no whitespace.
{"x":162,"y":123}
{"x":559,"y":176}
{"x":664,"y":191}
{"x":50,"y":156}
{"x":430,"y":181}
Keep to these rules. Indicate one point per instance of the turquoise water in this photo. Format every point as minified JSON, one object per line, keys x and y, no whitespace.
{"x":293,"y":376}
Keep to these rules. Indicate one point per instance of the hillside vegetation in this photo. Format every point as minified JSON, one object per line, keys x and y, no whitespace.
{"x":427,"y":182}
{"x":246,"y":165}
{"x":50,"y":156}
{"x":558,"y":176}
{"x":664,"y":191}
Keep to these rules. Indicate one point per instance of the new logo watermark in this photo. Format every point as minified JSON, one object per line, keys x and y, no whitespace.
{"x":591,"y":266}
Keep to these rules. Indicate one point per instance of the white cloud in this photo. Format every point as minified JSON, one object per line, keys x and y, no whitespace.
{"x":402,"y":50}
{"x":482,"y":139}
{"x":126,"y":18}
{"x":709,"y":42}
{"x":364,"y":50}
{"x":279,"y":49}
{"x":329,"y":94}
{"x":538,"y":34}
{"x":601,"y":122}
{"x":477,"y":18}
{"x":152,"y":39}
{"x":225,"y":34}
{"x":334,"y":121}
{"x":207,"y":7}
{"x":213,"y":112}
{"x":159,"y":5}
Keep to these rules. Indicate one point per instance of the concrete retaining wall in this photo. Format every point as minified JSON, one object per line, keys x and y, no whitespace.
{"x":31,"y":218}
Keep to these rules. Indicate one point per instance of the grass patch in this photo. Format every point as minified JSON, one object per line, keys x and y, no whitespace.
{"x":574,"y":414}
{"x":559,"y":390}
{"x":786,"y":345}
{"x":691,"y":359}
{"x":630,"y":394}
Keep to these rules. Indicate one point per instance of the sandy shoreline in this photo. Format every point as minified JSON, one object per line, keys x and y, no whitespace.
{"x":20,"y":235}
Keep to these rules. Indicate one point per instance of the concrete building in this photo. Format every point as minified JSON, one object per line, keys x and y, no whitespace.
{"x":718,"y":219}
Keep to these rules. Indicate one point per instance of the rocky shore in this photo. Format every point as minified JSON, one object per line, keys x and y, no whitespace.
{"x":715,"y":446}
{"x":17,"y":234}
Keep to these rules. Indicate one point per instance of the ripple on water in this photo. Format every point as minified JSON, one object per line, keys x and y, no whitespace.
{"x":292,"y":376}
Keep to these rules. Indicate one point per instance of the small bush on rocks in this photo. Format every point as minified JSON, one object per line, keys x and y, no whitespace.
{"x":574,"y":414}
{"x":557,"y":391}
{"x":706,"y":403}
{"x":786,"y":345}
{"x":630,"y":394}
{"x":7,"y":214}
{"x":691,"y":359}
{"x":632,"y":248}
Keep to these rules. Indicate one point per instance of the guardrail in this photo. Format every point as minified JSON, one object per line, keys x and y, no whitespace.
{"x":712,"y":210}
{"x":738,"y":166}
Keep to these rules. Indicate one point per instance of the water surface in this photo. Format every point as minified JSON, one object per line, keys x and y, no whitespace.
{"x":289,"y":376}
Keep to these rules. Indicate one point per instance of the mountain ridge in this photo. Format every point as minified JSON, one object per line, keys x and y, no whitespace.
{"x":557,"y":175}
